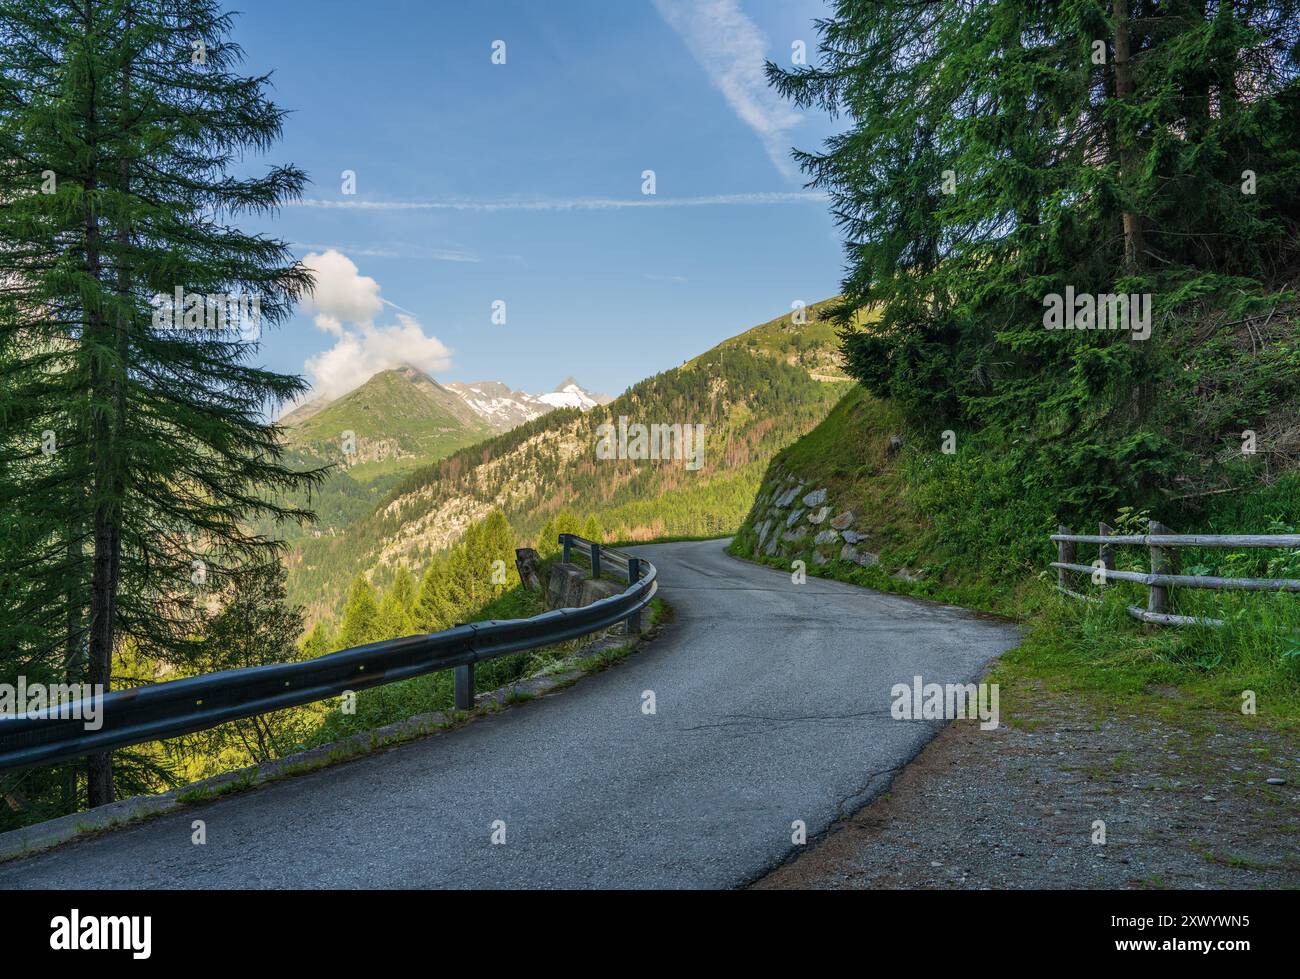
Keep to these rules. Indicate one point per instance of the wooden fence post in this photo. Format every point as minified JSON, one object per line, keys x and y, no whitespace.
{"x":1065,"y":552}
{"x":1106,"y":552}
{"x":1158,"y":595}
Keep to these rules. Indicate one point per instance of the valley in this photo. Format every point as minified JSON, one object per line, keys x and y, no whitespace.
{"x":752,"y":393}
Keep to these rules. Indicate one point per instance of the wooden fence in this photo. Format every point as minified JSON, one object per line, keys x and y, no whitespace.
{"x":1161,"y":542}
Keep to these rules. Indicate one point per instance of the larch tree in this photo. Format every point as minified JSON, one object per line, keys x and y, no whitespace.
{"x":135,"y":451}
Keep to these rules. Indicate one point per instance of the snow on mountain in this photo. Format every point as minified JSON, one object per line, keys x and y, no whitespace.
{"x":503,"y":408}
{"x":571,"y":395}
{"x":492,"y":401}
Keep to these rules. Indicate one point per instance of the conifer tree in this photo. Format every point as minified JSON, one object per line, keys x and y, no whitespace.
{"x":254,"y":627}
{"x":1000,"y":152}
{"x":360,"y":623}
{"x":120,"y":123}
{"x":317,"y":642}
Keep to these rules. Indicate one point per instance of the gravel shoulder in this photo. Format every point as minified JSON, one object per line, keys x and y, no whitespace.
{"x":1184,"y":796}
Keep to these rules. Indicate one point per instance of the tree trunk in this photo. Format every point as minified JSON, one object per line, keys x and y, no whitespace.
{"x":1133,"y":245}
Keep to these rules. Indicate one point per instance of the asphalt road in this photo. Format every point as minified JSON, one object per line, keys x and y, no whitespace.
{"x":772,"y":705}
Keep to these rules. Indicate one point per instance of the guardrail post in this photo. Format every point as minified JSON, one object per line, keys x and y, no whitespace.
{"x":1065,"y":552}
{"x":1158,"y":595}
{"x":595,"y":560}
{"x":464,"y":686}
{"x":564,"y":540}
{"x":1106,"y":552}
{"x":633,"y":576}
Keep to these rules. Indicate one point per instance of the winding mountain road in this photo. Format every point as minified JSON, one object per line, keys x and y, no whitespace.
{"x":772,"y":705}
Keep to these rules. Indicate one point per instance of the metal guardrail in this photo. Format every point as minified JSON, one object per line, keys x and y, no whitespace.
{"x":1160,"y":579}
{"x":166,"y":710}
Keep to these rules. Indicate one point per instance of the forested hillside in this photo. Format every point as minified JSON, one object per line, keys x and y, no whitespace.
{"x":1010,"y":173}
{"x":753,"y":394}
{"x":371,"y":436}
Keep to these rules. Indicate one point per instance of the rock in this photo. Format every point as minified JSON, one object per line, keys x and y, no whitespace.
{"x":792,"y":536}
{"x":815,"y":498}
{"x":789,"y":495}
{"x":844,"y":520}
{"x":895,"y":444}
{"x":772,"y":546}
{"x":1208,"y":798}
{"x":1275,"y":781}
{"x":764,"y":529}
{"x":826,"y":537}
{"x":793,"y":519}
{"x":528,"y":562}
{"x":903,"y":574}
{"x":820,"y":558}
{"x":853,"y":537}
{"x":820,"y":515}
{"x":593,"y":590}
{"x":865,"y":558}
{"x":565,"y":589}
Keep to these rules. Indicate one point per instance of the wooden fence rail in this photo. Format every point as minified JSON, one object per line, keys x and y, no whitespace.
{"x":1161,"y":542}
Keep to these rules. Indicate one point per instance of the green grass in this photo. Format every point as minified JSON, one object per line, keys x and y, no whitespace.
{"x":979,"y":532}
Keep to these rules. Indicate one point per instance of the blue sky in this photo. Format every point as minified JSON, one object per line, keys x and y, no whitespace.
{"x":522,"y":182}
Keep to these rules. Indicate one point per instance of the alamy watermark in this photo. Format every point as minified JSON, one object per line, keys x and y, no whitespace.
{"x":218,"y":311}
{"x":54,"y":701}
{"x":945,"y":702}
{"x":676,"y":442}
{"x":1108,"y":311}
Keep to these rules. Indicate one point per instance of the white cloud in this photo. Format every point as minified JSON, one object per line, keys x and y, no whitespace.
{"x":341,"y":293}
{"x":731,"y":50}
{"x":574,"y":203}
{"x":344,"y":304}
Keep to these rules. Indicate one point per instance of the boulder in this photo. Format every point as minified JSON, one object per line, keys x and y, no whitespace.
{"x":528,"y":562}
{"x":772,"y":546}
{"x":820,"y":515}
{"x":565,"y":588}
{"x":826,"y":537}
{"x":793,"y":519}
{"x":844,"y":520}
{"x":853,"y":537}
{"x":793,"y":536}
{"x":895,"y":444}
{"x":819,"y":558}
{"x":815,"y":498}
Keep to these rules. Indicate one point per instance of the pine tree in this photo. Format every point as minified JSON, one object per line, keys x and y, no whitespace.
{"x":432,"y":613}
{"x":254,"y":627}
{"x":119,"y":124}
{"x":393,"y":619}
{"x":360,"y":623}
{"x":317,"y":642}
{"x":403,"y":589}
{"x":1000,"y":152}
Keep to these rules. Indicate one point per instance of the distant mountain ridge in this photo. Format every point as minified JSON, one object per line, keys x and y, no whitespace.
{"x":754,"y":394}
{"x":501,"y":407}
{"x":505,"y":409}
